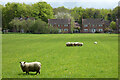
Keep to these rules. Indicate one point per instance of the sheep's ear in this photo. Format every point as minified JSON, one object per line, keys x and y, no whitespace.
{"x":24,"y":62}
{"x":19,"y":62}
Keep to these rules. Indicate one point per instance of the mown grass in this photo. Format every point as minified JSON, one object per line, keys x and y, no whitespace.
{"x":59,"y":61}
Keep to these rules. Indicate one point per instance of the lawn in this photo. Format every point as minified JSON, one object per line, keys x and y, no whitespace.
{"x":58,"y":61}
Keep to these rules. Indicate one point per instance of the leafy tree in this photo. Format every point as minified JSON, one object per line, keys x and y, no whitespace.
{"x":115,"y":13}
{"x":43,"y":11}
{"x":61,"y":9}
{"x":1,"y":6}
{"x":113,"y":25}
{"x":12,"y":10}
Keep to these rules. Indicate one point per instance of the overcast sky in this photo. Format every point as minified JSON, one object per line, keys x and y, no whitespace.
{"x":108,"y":4}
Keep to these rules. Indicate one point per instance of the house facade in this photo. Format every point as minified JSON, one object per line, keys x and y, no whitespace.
{"x":63,"y":25}
{"x":21,"y":19}
{"x":118,"y":25}
{"x":92,"y":25}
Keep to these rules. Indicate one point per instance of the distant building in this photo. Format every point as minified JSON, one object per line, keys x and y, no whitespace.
{"x":0,"y":28}
{"x":118,"y":25}
{"x":63,"y":25}
{"x":22,"y":18}
{"x":93,"y":25}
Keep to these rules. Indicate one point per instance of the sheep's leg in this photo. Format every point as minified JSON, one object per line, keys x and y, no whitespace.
{"x":39,"y":71}
{"x":36,"y":72}
{"x":27,"y":72}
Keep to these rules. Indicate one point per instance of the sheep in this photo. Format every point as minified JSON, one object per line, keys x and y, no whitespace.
{"x":95,"y":42}
{"x":31,"y":67}
{"x":76,"y":43}
{"x":79,"y":44}
{"x":72,"y":43}
{"x":68,"y":44}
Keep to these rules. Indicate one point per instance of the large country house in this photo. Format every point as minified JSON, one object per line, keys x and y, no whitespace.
{"x":63,"y":25}
{"x":93,"y":25}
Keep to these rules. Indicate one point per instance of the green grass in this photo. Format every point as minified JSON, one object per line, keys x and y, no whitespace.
{"x":59,"y":61}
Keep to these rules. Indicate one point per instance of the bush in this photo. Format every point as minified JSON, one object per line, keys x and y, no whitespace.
{"x":41,"y":27}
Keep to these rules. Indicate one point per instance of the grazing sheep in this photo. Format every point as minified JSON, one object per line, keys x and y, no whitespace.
{"x":68,"y":44}
{"x":31,"y":67}
{"x":80,"y":44}
{"x":74,"y":44}
{"x":95,"y":42}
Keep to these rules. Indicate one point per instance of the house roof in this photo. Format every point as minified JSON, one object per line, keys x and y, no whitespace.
{"x":92,"y":21}
{"x":59,"y":21}
{"x":107,"y":23}
{"x":24,"y":18}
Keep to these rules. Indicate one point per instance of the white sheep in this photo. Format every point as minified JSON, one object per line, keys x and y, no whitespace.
{"x":68,"y":44}
{"x":80,"y":44}
{"x":31,"y":67}
{"x":95,"y":42}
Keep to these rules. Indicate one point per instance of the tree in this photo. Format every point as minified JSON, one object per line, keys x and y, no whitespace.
{"x":12,"y":10}
{"x":113,"y":25}
{"x":1,"y":7}
{"x":61,"y":9}
{"x":115,"y":13}
{"x":42,"y":11}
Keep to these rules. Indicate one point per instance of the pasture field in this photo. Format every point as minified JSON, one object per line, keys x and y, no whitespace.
{"x":58,"y":61}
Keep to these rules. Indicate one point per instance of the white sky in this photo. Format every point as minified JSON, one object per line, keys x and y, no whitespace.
{"x":83,"y":3}
{"x":4,"y":1}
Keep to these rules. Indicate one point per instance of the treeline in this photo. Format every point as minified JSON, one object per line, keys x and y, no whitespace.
{"x":42,"y":11}
{"x":32,"y":26}
{"x":78,"y":13}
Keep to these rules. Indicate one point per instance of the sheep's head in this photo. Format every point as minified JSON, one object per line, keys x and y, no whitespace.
{"x":22,"y":64}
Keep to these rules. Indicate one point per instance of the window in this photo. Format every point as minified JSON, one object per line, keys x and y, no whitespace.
{"x":96,"y":25}
{"x":59,"y":30}
{"x":100,"y":30}
{"x":58,"y":25}
{"x":119,"y":30}
{"x":90,"y":25}
{"x":65,"y":29}
{"x":85,"y":25}
{"x":65,"y":25}
{"x":86,"y":30}
{"x":100,"y":25}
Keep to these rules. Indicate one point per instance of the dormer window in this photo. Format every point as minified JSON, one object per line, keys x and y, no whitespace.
{"x":100,"y":25}
{"x":85,"y":25}
{"x":66,"y":25}
{"x":58,"y":25}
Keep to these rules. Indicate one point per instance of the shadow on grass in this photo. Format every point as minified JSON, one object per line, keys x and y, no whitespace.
{"x":27,"y":74}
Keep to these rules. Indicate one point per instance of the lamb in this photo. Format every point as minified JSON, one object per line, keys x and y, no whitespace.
{"x":31,"y":67}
